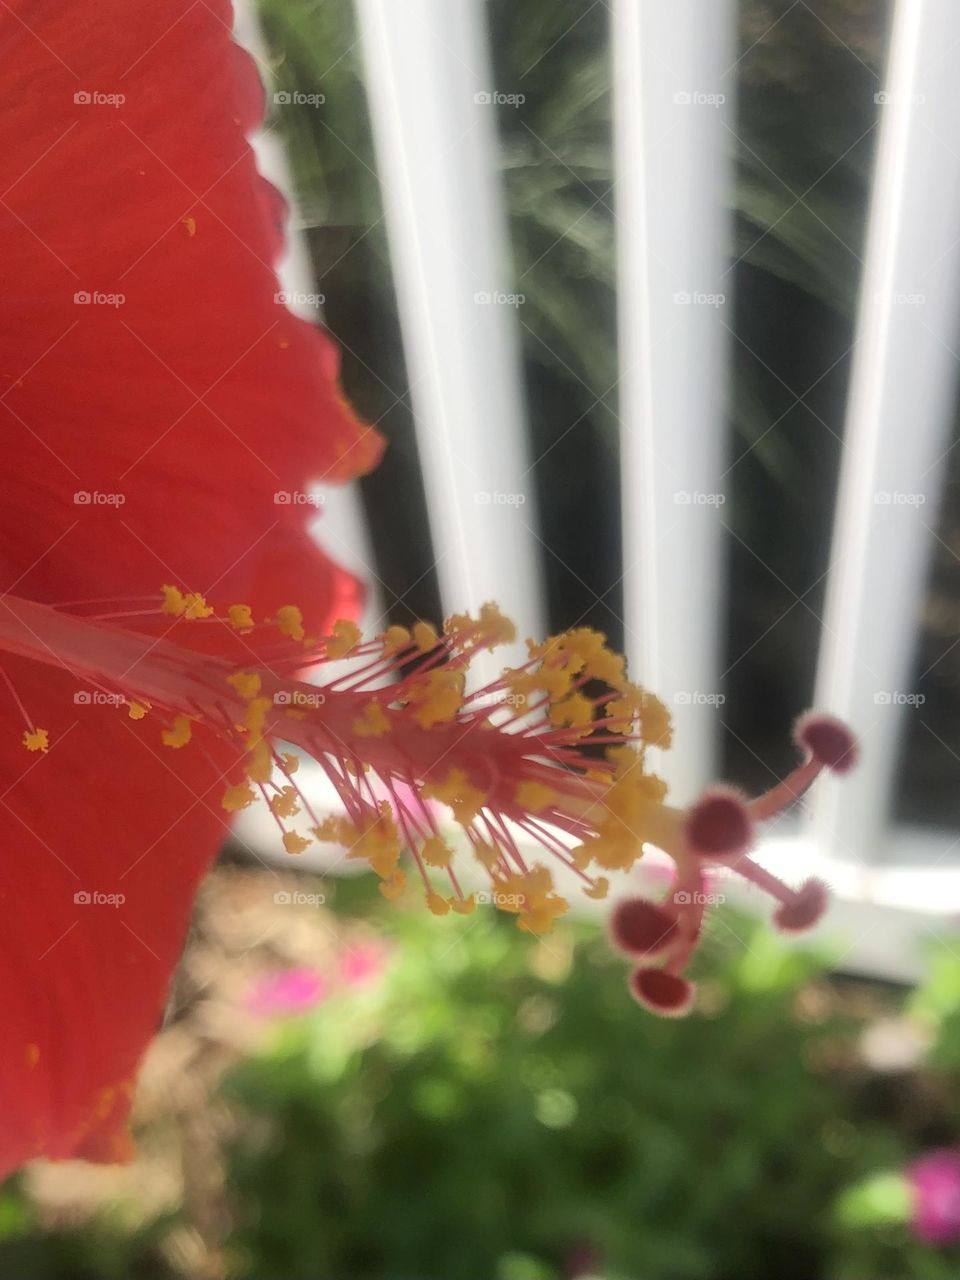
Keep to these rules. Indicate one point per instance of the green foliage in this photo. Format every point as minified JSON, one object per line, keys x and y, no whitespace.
{"x":496,"y":1108}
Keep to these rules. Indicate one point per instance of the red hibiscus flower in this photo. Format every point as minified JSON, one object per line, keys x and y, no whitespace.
{"x":155,"y":397}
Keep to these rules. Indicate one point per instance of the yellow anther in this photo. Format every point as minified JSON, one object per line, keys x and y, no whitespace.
{"x":37,"y":740}
{"x":259,"y":763}
{"x":179,"y":733}
{"x":394,"y":885}
{"x":372,"y":722}
{"x":495,"y":628}
{"x":458,"y":625}
{"x":290,"y":622}
{"x":535,"y":796}
{"x":237,"y":797}
{"x":285,"y":803}
{"x":174,"y":602}
{"x":137,"y":710}
{"x":437,"y":904}
{"x":486,"y":855}
{"x":240,"y":618}
{"x":291,"y":763}
{"x":293,"y":842}
{"x":436,"y":852}
{"x":437,"y":696}
{"x":344,"y":636}
{"x":464,"y":906}
{"x":599,"y":890}
{"x":256,"y":716}
{"x":195,"y":606}
{"x":575,"y":711}
{"x":394,"y":639}
{"x":246,"y":683}
{"x":190,"y":224}
{"x":462,"y":796}
{"x":335,"y":830}
{"x":424,"y":636}
{"x":541,"y":918}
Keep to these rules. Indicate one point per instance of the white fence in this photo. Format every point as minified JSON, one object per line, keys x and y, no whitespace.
{"x":430,"y":88}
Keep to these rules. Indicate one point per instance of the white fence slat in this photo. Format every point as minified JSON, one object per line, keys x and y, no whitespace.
{"x":672,"y":97}
{"x":900,"y":410}
{"x":430,"y":91}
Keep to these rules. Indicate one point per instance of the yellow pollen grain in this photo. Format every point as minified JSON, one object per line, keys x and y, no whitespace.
{"x":464,"y":906}
{"x":599,"y":890}
{"x":240,"y":618}
{"x":256,"y":716}
{"x":191,"y":225}
{"x":174,"y":602}
{"x":179,"y":733}
{"x":345,"y":635}
{"x":284,"y":803}
{"x":33,"y":1055}
{"x":291,"y":763}
{"x":424,"y":636}
{"x":293,"y":842}
{"x":260,"y":763}
{"x":575,"y":711}
{"x":137,"y":710}
{"x":246,"y":683}
{"x":37,"y":740}
{"x":372,"y":722}
{"x":237,"y":797}
{"x":394,"y":639}
{"x":437,"y":904}
{"x":394,"y":885}
{"x":436,"y":852}
{"x":196,"y":606}
{"x":290,"y":622}
{"x":535,"y":796}
{"x":462,"y":796}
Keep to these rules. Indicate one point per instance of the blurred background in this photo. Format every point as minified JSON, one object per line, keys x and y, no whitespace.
{"x":662,"y":340}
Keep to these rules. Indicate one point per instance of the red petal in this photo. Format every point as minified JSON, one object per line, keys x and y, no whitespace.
{"x":200,"y":397}
{"x":189,"y":405}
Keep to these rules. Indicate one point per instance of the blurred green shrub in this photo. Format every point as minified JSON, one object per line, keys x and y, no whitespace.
{"x":500,"y":1110}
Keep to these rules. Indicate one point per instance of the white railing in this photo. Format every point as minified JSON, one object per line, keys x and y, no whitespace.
{"x":429,"y":83}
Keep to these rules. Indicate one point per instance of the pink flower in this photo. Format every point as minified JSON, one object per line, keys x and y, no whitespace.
{"x":293,"y":991}
{"x":935,"y":1182}
{"x":358,"y":964}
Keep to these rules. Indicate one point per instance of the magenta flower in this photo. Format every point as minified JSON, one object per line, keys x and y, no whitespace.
{"x":935,"y":1183}
{"x":292,"y":991}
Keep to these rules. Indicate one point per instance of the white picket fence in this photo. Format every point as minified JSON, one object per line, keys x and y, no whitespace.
{"x":430,"y":87}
